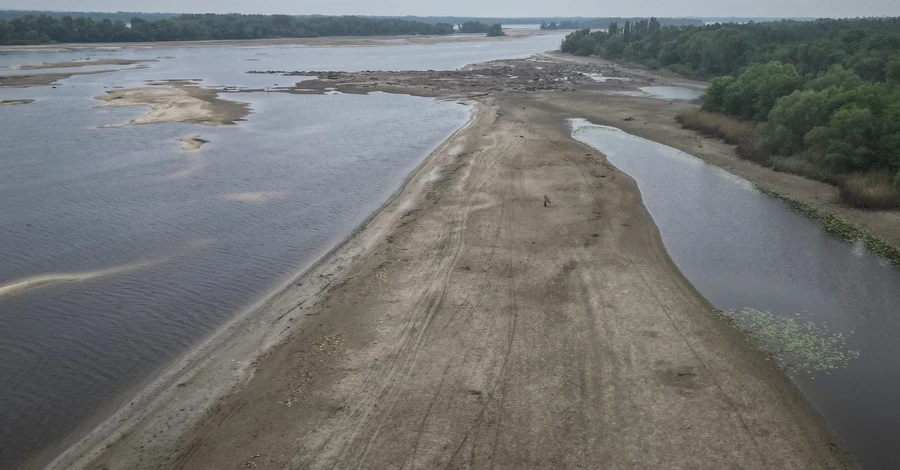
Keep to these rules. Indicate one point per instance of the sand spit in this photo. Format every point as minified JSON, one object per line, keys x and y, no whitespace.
{"x":15,"y":102}
{"x":40,"y":79}
{"x":192,"y":143}
{"x":79,"y":63}
{"x":330,"y":41}
{"x":181,"y":101}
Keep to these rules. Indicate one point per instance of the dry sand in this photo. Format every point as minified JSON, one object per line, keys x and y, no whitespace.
{"x":178,"y":101}
{"x":468,"y":326}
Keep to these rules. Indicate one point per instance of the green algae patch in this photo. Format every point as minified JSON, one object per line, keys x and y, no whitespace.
{"x":796,"y":344}
{"x":847,"y":231}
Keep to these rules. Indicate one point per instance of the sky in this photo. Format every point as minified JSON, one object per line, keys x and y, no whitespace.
{"x":505,"y":8}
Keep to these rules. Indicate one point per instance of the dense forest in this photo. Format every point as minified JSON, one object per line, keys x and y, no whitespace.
{"x":825,"y":94}
{"x":42,"y":29}
{"x":603,"y":23}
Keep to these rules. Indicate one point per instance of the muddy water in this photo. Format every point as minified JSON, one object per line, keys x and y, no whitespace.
{"x":120,"y":251}
{"x":742,"y":249}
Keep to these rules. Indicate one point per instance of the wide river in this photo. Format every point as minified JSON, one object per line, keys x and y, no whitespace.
{"x":154,"y":248}
{"x":742,"y":249}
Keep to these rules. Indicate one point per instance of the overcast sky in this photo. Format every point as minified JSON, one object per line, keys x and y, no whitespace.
{"x":516,"y":8}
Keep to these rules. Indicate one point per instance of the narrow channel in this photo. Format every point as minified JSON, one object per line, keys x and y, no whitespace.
{"x":744,"y":250}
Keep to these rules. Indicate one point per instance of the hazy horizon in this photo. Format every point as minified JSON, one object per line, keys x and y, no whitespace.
{"x":475,"y":8}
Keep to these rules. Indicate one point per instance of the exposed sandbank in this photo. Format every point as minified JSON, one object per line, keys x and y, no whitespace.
{"x":181,"y":101}
{"x":40,"y":79}
{"x":15,"y":102}
{"x":191,"y":143}
{"x":79,"y":63}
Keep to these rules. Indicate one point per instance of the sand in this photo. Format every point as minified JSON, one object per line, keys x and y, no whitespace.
{"x":40,"y":79}
{"x":194,"y":142}
{"x":178,"y":101}
{"x":79,"y":63}
{"x":468,"y":326}
{"x":15,"y":102}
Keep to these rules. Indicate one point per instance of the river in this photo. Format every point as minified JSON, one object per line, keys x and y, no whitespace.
{"x":149,"y":248}
{"x":742,"y":249}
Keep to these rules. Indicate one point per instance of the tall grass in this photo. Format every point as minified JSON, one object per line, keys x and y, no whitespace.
{"x":870,"y":191}
{"x":731,"y":130}
{"x":867,"y":191}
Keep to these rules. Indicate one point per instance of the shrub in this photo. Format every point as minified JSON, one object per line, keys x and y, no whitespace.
{"x":870,"y":191}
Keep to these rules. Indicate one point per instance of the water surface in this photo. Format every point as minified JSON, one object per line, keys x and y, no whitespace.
{"x":154,"y":248}
{"x":743,"y":249}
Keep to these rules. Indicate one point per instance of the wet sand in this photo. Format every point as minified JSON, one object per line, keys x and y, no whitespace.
{"x":40,"y":79}
{"x":466,"y":325}
{"x":15,"y":102}
{"x":80,"y":63}
{"x":178,"y":101}
{"x":192,"y":143}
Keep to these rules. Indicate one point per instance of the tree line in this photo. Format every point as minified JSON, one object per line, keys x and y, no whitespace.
{"x":602,"y":23}
{"x":42,"y":29}
{"x":825,"y":93}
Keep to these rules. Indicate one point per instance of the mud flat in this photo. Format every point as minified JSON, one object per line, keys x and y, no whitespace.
{"x":468,"y":325}
{"x":191,"y":143}
{"x":178,"y":101}
{"x":80,"y":63}
{"x":15,"y":102}
{"x":40,"y":79}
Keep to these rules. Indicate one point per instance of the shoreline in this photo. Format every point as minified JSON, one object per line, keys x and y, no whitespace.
{"x":351,"y":259}
{"x":235,"y":335}
{"x":121,"y":450}
{"x":323,"y":41}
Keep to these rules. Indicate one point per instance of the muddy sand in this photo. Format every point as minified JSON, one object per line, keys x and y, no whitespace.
{"x":466,"y":325}
{"x":79,"y":63}
{"x":192,"y":143}
{"x":178,"y":101}
{"x":15,"y":102}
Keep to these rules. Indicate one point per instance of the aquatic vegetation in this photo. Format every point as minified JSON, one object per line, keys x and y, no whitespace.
{"x":797,"y":345}
{"x":847,"y":231}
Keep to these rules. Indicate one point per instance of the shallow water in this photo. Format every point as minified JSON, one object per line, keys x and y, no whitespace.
{"x":742,"y":249}
{"x":142,"y":249}
{"x":673,"y":93}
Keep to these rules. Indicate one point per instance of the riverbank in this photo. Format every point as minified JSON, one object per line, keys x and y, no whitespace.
{"x":469,"y":325}
{"x":328,"y":41}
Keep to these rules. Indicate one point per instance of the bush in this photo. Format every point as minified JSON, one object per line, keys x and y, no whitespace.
{"x":870,"y":191}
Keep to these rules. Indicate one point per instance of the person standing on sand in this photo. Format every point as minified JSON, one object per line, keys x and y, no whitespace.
{"x":546,"y":200}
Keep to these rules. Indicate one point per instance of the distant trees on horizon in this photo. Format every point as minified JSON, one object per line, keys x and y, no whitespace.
{"x":43,"y":29}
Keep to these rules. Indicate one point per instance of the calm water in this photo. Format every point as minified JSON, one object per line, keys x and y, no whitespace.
{"x":673,"y":93}
{"x":742,"y":249}
{"x":164,"y":246}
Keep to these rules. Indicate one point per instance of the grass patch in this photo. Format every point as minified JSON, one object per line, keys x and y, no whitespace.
{"x":798,"y":165}
{"x":796,"y":343}
{"x":847,"y":231}
{"x":717,"y":125}
{"x":870,"y":191}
